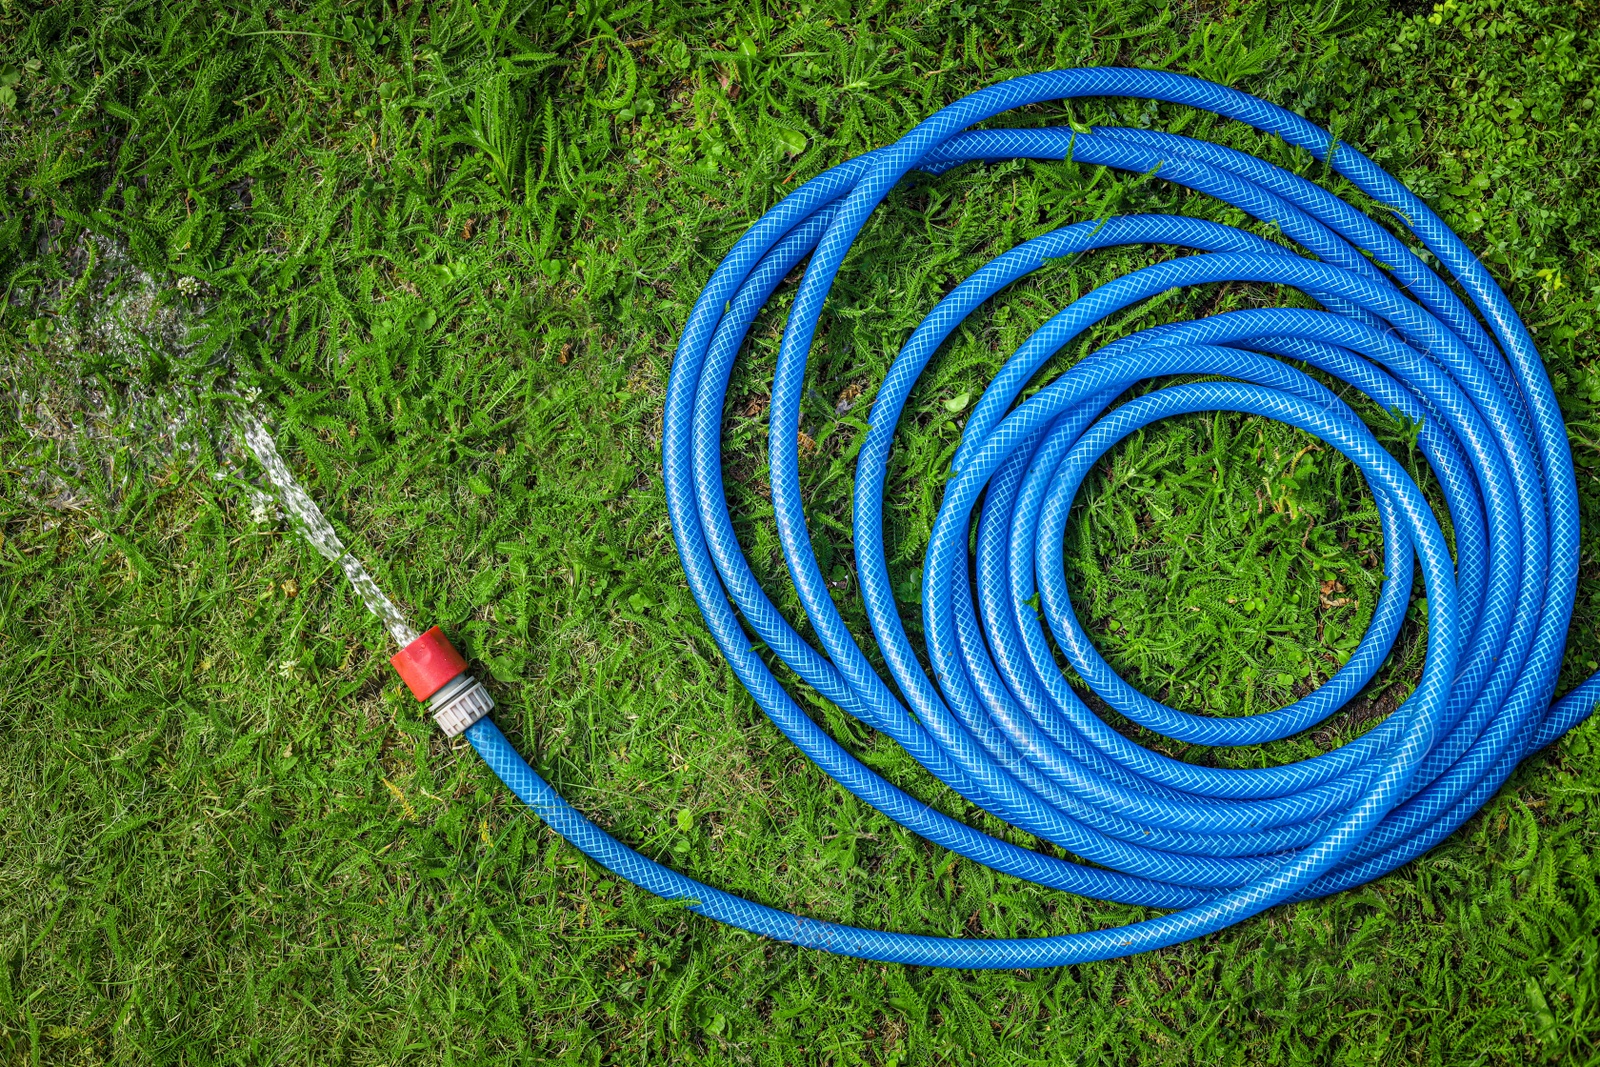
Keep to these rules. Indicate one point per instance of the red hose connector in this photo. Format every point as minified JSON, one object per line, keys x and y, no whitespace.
{"x":427,"y":663}
{"x":431,"y":667}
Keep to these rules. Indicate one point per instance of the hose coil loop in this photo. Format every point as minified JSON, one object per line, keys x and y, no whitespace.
{"x":996,"y":721}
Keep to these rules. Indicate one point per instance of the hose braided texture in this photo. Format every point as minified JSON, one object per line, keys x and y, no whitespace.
{"x":997,"y":722}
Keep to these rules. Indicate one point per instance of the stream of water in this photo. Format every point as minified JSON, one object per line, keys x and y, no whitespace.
{"x":319,"y":531}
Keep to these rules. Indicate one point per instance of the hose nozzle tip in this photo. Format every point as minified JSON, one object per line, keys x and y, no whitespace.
{"x":428,"y":663}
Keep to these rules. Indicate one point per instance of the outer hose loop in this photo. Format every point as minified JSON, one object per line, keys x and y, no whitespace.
{"x":995,"y":720}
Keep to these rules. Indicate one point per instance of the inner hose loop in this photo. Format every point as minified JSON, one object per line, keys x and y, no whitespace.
{"x":995,"y":720}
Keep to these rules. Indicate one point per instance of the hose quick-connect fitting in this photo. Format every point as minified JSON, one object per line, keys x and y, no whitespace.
{"x":434,"y":671}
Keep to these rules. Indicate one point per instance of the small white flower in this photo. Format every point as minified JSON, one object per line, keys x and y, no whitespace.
{"x":188,"y":286}
{"x":263,"y":509}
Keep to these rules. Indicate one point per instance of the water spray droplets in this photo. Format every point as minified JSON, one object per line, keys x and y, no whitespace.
{"x":317,"y":530}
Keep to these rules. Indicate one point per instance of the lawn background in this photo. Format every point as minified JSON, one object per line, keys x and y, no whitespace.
{"x":447,"y":249}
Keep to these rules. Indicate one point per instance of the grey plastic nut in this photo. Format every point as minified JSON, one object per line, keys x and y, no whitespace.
{"x":462,"y":702}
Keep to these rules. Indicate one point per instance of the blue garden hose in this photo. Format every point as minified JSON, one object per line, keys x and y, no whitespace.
{"x":997,"y":722}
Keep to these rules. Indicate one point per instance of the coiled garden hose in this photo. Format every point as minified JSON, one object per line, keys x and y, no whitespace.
{"x":997,"y":722}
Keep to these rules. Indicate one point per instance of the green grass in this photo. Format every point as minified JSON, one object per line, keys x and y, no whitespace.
{"x":451,"y":247}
